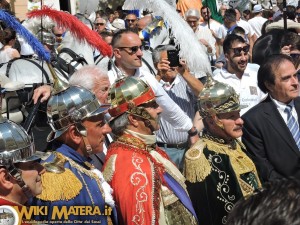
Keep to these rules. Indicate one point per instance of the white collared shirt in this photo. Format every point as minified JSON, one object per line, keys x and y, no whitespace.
{"x":281,"y":107}
{"x":171,"y":111}
{"x":205,"y":33}
{"x":167,"y":86}
{"x":246,"y":87}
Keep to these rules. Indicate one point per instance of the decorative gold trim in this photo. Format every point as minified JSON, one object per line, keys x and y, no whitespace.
{"x":60,"y":186}
{"x":196,"y":167}
{"x":240,"y":163}
{"x":110,"y":168}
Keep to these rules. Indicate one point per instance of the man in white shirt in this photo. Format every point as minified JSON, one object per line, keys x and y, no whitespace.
{"x":228,"y":26}
{"x":257,"y":21}
{"x":211,"y":24}
{"x":240,"y":74}
{"x":128,"y":61}
{"x":204,"y":35}
{"x":208,"y":22}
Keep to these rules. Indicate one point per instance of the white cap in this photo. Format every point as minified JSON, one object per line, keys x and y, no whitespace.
{"x":257,"y":8}
{"x":117,"y":24}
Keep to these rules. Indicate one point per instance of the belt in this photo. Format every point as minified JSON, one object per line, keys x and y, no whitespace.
{"x":179,"y":145}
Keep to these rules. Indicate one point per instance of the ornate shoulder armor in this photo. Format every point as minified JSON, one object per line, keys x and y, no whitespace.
{"x":110,"y":168}
{"x":196,"y":166}
{"x":59,"y":183}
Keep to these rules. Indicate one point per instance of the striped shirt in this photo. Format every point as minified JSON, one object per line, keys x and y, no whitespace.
{"x":183,"y":96}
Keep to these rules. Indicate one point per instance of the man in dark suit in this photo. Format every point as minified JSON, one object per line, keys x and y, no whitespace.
{"x":271,"y":128}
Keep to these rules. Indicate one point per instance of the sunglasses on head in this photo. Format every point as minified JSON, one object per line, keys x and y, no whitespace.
{"x":130,"y":21}
{"x":238,"y":51}
{"x":133,"y":49}
{"x":99,"y":24}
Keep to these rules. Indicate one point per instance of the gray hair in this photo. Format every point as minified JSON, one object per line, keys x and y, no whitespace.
{"x":157,"y":51}
{"x":193,"y":13}
{"x":87,"y":77}
{"x":119,"y":124}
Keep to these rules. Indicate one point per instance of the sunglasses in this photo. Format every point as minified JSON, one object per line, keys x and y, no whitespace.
{"x":192,"y":21}
{"x":295,"y":56}
{"x":99,"y":24}
{"x":133,"y":49}
{"x":238,"y":51}
{"x":130,"y":21}
{"x":152,"y":104}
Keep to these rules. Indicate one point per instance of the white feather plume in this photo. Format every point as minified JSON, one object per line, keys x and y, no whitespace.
{"x":34,"y":24}
{"x":190,"y":47}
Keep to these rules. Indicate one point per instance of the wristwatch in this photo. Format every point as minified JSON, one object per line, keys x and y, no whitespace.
{"x":193,"y":132}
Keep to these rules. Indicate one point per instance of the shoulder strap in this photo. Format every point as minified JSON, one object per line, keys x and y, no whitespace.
{"x":74,"y":55}
{"x":99,"y":59}
{"x":149,"y":67}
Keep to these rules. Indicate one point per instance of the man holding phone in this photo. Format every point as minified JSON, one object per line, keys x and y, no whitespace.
{"x":128,"y":62}
{"x":183,"y":89}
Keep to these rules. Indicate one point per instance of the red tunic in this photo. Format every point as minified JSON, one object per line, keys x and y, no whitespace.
{"x":136,"y":180}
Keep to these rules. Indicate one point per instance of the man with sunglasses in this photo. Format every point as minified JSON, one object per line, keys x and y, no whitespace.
{"x":100,"y":24}
{"x":128,"y":62}
{"x":131,"y":21}
{"x":238,"y":73}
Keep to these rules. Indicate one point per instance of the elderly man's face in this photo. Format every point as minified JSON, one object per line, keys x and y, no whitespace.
{"x":101,"y":89}
{"x":232,"y":124}
{"x":96,"y":128}
{"x":154,"y":111}
{"x":286,"y":86}
{"x":193,"y":22}
{"x":100,"y":25}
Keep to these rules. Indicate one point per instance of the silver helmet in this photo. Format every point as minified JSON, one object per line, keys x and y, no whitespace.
{"x":46,"y":37}
{"x":70,"y":107}
{"x":16,"y":146}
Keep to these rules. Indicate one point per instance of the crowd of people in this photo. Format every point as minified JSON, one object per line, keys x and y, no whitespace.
{"x":156,"y":142}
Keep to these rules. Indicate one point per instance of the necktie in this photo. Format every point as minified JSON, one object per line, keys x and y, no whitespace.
{"x":293,"y":125}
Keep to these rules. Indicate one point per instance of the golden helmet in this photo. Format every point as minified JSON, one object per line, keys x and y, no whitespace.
{"x":127,"y":94}
{"x":217,"y":97}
